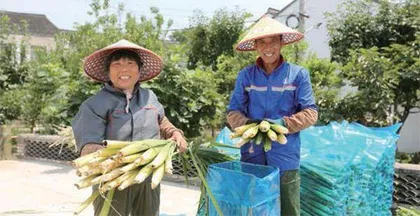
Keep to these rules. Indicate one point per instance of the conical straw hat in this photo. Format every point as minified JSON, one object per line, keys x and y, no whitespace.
{"x":266,"y":27}
{"x":94,"y":64}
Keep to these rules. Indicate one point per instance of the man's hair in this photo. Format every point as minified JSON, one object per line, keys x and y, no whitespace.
{"x":122,"y":54}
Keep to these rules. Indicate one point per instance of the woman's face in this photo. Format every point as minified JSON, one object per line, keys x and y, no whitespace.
{"x":124,"y":73}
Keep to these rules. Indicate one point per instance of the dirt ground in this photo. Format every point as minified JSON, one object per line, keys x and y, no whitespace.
{"x":33,"y":187}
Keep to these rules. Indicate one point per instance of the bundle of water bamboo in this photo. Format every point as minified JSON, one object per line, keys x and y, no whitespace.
{"x":265,"y":133}
{"x":121,"y":164}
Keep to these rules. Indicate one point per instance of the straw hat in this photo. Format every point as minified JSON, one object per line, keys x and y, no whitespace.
{"x":94,"y":64}
{"x":267,"y":27}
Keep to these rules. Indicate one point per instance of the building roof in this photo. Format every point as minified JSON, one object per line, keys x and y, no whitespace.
{"x":38,"y":24}
{"x":275,"y":12}
{"x":287,"y":6}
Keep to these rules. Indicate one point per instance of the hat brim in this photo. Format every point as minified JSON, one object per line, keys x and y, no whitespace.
{"x":287,"y":38}
{"x":94,"y":64}
{"x":267,"y":27}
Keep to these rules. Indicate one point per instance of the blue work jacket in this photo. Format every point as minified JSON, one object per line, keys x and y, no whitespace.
{"x":284,"y":92}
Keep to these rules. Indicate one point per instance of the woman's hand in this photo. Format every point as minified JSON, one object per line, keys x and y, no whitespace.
{"x":89,"y":148}
{"x":180,"y":141}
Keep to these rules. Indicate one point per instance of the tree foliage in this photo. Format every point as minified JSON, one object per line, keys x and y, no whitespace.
{"x":326,"y":85}
{"x":378,"y":46}
{"x":13,"y":69}
{"x":201,"y":66}
{"x":189,"y":97}
{"x":55,"y":86}
{"x":211,"y":38}
{"x":366,"y":24}
{"x":387,"y":80}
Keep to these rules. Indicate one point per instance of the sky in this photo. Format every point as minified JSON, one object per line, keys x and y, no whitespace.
{"x":64,"y":14}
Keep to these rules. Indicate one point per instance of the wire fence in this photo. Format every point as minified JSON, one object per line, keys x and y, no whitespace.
{"x":38,"y":146}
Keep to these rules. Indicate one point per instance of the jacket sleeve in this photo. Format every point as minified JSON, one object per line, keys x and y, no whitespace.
{"x":167,"y":129}
{"x":305,"y":103}
{"x":238,"y":102}
{"x":301,"y":120}
{"x":88,"y":126}
{"x":157,"y":105}
{"x":236,"y":119}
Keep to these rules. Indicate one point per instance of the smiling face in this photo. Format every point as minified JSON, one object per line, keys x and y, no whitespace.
{"x":269,"y":49}
{"x":123,"y":68}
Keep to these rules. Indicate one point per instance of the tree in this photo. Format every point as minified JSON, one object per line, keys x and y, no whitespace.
{"x":365,"y":24}
{"x":40,"y":96}
{"x":13,"y":69}
{"x":211,"y":38}
{"x":378,"y":46}
{"x":387,"y":80}
{"x":190,"y":97}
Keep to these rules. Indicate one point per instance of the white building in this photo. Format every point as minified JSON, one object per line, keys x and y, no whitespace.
{"x":40,"y":32}
{"x":309,"y":16}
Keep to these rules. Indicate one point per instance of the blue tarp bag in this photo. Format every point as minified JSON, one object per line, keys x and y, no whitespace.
{"x":244,"y":189}
{"x":224,"y":138}
{"x":347,"y":169}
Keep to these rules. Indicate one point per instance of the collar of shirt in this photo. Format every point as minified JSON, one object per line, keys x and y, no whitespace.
{"x":110,"y":88}
{"x":259,"y":62}
{"x":123,"y":93}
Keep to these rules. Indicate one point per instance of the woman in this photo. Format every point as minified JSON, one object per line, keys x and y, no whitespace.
{"x":122,"y":110}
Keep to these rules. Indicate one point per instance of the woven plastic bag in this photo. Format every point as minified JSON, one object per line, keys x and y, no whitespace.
{"x":244,"y":189}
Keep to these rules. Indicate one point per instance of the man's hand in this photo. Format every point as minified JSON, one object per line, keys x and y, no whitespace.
{"x":89,"y":148}
{"x":250,"y":121}
{"x":180,"y":141}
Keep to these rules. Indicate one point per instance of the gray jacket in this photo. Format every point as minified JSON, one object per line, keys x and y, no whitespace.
{"x":103,"y":116}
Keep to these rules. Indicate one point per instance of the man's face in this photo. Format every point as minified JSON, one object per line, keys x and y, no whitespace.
{"x":124,"y":73}
{"x":269,"y":48}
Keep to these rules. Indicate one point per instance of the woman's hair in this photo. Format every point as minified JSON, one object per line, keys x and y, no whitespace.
{"x":122,"y":54}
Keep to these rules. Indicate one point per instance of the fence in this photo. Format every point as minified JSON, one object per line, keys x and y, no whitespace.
{"x":407,"y":184}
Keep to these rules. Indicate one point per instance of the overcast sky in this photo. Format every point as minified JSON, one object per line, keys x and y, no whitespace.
{"x":65,"y":13}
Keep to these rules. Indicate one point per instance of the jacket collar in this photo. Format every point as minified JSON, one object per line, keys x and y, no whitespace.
{"x":260,"y":64}
{"x":108,"y":87}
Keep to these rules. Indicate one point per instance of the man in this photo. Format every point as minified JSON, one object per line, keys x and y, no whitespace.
{"x":280,"y":92}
